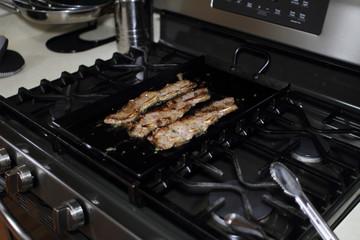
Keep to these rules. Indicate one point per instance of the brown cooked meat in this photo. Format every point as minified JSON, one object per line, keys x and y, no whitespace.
{"x":132,"y":110}
{"x":175,"y":89}
{"x":181,"y":131}
{"x":174,"y":109}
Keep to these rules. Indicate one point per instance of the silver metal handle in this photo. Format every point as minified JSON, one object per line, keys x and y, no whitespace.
{"x":291,"y":186}
{"x":321,"y":226}
{"x":12,"y":224}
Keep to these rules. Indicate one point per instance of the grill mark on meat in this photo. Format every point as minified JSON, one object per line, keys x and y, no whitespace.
{"x":132,"y":110}
{"x":174,"y":109}
{"x":182,"y":131}
{"x":172,"y":90}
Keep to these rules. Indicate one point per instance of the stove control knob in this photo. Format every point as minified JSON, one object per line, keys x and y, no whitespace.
{"x":68,"y":216}
{"x":18,"y":179}
{"x":5,"y":161}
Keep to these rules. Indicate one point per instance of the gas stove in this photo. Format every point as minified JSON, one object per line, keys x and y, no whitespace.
{"x":81,"y":178}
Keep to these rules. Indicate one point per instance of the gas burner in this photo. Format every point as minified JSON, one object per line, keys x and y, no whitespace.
{"x":140,"y":75}
{"x":233,"y":203}
{"x":308,"y":150}
{"x":144,"y":75}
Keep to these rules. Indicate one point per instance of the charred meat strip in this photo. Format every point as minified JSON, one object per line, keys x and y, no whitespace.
{"x":132,"y":110}
{"x":182,"y":131}
{"x":172,"y":90}
{"x":173,"y":110}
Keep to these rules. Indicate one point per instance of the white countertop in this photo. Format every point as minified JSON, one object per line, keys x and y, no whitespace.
{"x":29,"y":40}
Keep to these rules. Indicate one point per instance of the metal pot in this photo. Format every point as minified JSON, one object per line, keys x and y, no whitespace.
{"x":51,"y":15}
{"x":132,"y":23}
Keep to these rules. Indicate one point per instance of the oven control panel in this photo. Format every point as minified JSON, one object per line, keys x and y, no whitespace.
{"x":304,"y":15}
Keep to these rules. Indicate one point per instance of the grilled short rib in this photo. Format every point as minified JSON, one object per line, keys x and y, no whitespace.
{"x":174,"y":109}
{"x":181,"y":131}
{"x":132,"y":110}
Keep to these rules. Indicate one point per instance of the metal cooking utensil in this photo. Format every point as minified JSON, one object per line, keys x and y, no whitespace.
{"x":45,"y":15}
{"x":291,"y":186}
{"x":241,"y":225}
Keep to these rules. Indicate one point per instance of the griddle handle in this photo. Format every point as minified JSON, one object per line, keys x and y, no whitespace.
{"x":255,"y":50}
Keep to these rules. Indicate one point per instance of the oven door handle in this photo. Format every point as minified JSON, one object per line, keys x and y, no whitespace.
{"x":11,"y":223}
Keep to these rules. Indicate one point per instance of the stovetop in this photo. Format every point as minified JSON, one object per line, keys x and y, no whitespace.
{"x":226,"y":170}
{"x":278,"y":124}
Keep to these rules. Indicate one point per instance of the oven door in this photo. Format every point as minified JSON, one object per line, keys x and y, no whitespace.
{"x":16,"y":223}
{"x":25,"y":195}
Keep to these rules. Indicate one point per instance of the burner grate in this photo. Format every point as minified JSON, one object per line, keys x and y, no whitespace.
{"x":192,"y":184}
{"x":247,"y":146}
{"x":72,"y":91}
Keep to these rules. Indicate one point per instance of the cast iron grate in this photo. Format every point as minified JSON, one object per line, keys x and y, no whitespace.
{"x":244,"y":152}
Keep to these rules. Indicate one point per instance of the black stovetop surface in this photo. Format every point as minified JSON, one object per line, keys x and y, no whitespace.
{"x":221,"y":172}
